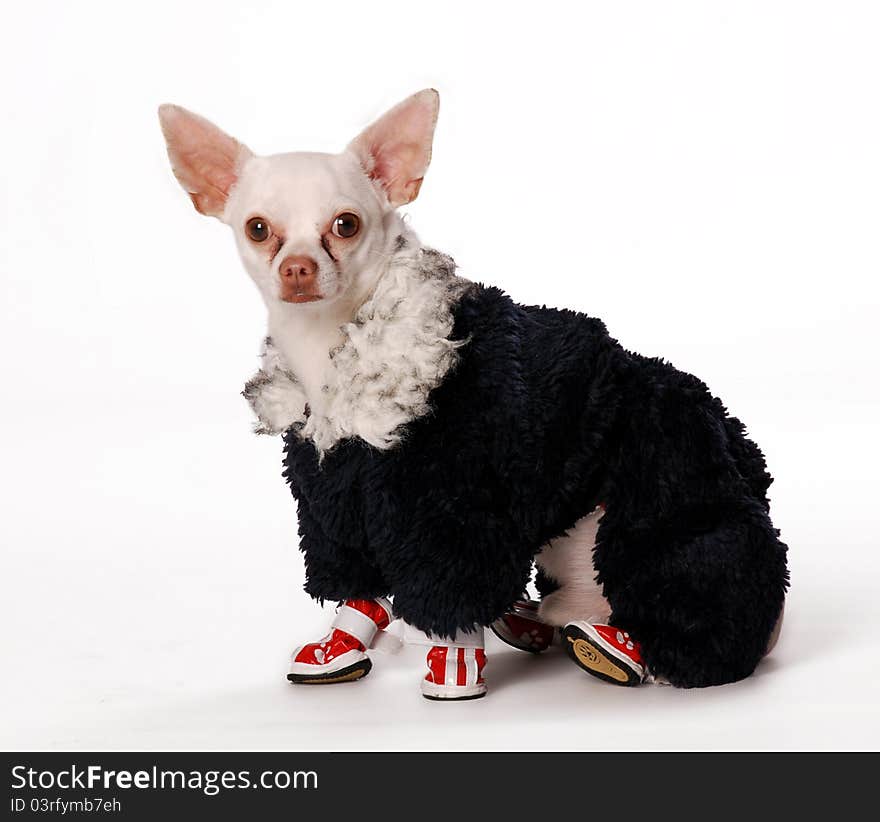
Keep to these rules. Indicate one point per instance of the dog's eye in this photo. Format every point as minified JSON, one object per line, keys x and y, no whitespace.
{"x":258,"y":229}
{"x":346,"y":225}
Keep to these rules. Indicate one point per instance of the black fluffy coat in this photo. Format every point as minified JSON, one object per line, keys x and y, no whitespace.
{"x":545,"y":416}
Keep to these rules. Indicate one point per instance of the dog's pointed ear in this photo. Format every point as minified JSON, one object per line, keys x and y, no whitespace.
{"x":395,"y":151}
{"x":205,"y":160}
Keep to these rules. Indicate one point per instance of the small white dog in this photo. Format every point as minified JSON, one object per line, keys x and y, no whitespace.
{"x":439,"y":438}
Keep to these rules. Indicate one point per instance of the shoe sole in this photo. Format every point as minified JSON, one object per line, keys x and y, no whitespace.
{"x":350,"y":674}
{"x":452,"y":693}
{"x":455,"y":698}
{"x":595,"y":660}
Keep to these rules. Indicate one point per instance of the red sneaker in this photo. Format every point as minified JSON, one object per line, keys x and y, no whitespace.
{"x":521,"y":628}
{"x":340,"y":656}
{"x":605,"y":652}
{"x":454,"y":673}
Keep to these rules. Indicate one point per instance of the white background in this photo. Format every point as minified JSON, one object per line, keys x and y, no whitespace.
{"x":703,"y":176}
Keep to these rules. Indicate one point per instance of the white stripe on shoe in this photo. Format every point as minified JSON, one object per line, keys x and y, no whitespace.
{"x":451,"y":671}
{"x":470,"y":661}
{"x":355,"y":623}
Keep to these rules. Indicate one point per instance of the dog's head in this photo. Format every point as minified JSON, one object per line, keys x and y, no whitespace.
{"x":308,"y":226}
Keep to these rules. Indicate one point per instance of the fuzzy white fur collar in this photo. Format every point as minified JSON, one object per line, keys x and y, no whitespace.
{"x":394,"y":353}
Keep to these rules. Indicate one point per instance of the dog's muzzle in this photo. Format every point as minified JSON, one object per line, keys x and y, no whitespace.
{"x":299,"y":279}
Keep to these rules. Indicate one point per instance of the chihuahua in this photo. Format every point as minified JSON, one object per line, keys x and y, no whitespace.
{"x":440,"y":439}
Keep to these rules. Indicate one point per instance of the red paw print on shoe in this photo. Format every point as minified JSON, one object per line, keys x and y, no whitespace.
{"x":521,"y":628}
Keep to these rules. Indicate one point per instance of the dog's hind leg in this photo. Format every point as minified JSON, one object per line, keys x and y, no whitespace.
{"x":703,"y":595}
{"x":567,"y":562}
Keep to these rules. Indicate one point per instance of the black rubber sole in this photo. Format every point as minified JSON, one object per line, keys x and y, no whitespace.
{"x":350,"y":674}
{"x":455,"y":699}
{"x":594,"y":659}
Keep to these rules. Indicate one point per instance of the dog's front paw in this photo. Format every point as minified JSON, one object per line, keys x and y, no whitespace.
{"x":277,"y":399}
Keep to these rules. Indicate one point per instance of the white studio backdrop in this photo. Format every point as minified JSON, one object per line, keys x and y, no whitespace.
{"x":702,"y":176}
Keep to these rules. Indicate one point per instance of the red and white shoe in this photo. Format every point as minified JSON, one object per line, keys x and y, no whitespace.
{"x":340,"y":656}
{"x":521,"y":629}
{"x":454,"y":673}
{"x":605,"y":652}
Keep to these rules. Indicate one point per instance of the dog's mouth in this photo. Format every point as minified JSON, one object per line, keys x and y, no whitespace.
{"x":299,"y":292}
{"x":300,"y":297}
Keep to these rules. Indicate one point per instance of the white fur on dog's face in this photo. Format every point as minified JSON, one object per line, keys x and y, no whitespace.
{"x":300,"y":195}
{"x":297,"y":198}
